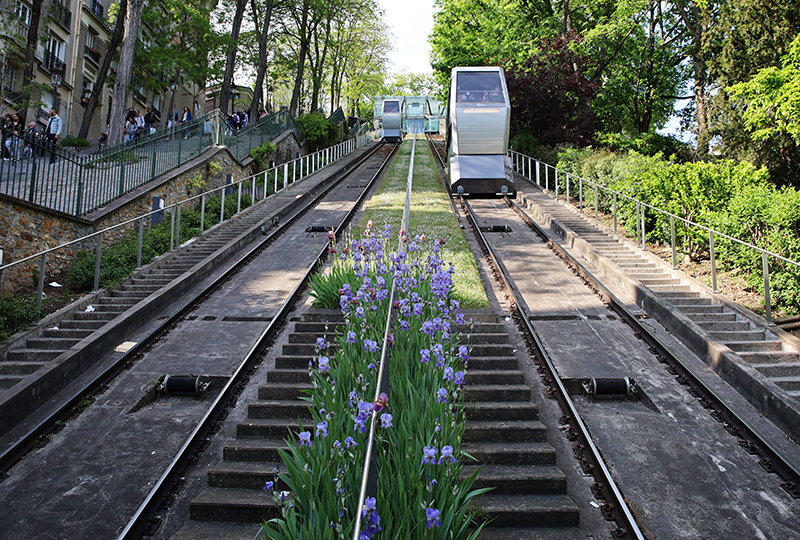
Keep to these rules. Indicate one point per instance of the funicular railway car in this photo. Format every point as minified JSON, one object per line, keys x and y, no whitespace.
{"x":478,"y":116}
{"x":414,"y":114}
{"x":392,"y":118}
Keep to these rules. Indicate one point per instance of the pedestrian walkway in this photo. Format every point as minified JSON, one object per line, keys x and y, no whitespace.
{"x":78,"y":184}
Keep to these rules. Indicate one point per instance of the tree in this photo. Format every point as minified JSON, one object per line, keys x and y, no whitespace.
{"x":102,"y":74}
{"x":551,"y":100}
{"x":124,"y":71}
{"x":263,"y":37}
{"x":30,"y":63}
{"x":230,"y":63}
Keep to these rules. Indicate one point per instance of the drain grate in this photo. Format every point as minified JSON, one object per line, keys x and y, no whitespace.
{"x":496,"y":228}
{"x":319,"y":228}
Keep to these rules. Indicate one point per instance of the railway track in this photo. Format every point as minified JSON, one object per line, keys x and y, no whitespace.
{"x":115,"y":448}
{"x":568,"y":322}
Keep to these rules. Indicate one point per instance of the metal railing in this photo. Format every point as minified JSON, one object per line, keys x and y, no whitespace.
{"x":258,"y":187}
{"x":547,"y":176}
{"x":61,"y":13}
{"x":369,"y":479}
{"x":78,"y":184}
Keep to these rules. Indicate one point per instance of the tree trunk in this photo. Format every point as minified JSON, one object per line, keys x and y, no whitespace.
{"x":30,"y":64}
{"x":230,"y":61}
{"x":258,"y":91}
{"x":301,"y":60}
{"x":97,"y":91}
{"x":122,"y":85}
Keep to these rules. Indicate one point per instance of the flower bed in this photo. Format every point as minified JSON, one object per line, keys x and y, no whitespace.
{"x":420,"y":491}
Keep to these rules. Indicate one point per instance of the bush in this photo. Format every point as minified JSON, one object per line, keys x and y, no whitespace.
{"x":316,"y":131}
{"x":69,"y":140}
{"x":118,"y":261}
{"x":261,"y":155}
{"x":16,"y":314}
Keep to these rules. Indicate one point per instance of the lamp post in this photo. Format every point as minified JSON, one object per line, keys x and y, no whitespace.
{"x":56,"y":75}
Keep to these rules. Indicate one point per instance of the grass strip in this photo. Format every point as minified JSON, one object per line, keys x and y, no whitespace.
{"x":431,"y":215}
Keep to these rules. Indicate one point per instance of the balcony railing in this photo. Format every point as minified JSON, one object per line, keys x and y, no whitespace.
{"x":52,"y":62}
{"x":61,"y":14}
{"x":91,"y":54}
{"x":96,"y":8}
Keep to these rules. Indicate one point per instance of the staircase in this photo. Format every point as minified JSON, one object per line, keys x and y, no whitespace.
{"x":503,"y":432}
{"x":754,"y":343}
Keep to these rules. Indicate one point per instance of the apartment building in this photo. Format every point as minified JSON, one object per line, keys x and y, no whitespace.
{"x":72,"y":41}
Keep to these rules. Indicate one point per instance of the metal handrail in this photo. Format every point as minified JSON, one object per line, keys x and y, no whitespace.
{"x":313,"y":162}
{"x":518,"y":163}
{"x":78,"y":184}
{"x":369,"y":477}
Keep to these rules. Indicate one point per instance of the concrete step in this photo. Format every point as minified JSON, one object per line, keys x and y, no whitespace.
{"x":510,"y":377}
{"x":243,"y":475}
{"x":492,"y":532}
{"x":19,"y":368}
{"x":501,"y":410}
{"x":237,"y":505}
{"x":493,"y":362}
{"x":283,"y":391}
{"x":713,"y":317}
{"x":117,"y":300}
{"x":267,"y":428}
{"x":292,"y":376}
{"x":94,"y":316}
{"x":278,"y":409}
{"x":511,"y":453}
{"x":754,"y":346}
{"x":210,"y":530}
{"x":518,"y":479}
{"x":675,"y":295}
{"x":689,"y":309}
{"x":509,"y":431}
{"x":725,"y":326}
{"x":67,"y":333}
{"x":527,"y":511}
{"x":769,"y":357}
{"x":8,"y":381}
{"x":779,"y":370}
{"x":658,"y":289}
{"x":80,"y":325}
{"x":787,"y":383}
{"x":50,"y":344}
{"x":518,"y":392}
{"x":292,"y":362}
{"x":744,"y":335}
{"x":31,"y":355}
{"x":659,"y":282}
{"x":254,"y":450}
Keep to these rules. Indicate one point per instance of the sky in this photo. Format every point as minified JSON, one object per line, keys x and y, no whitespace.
{"x":411,"y":22}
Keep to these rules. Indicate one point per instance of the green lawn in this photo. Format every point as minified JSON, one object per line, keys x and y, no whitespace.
{"x":431,"y":215}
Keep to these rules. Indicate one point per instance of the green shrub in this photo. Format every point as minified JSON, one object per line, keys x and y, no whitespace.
{"x":16,"y":314}
{"x":261,"y":155}
{"x":317,"y":131}
{"x":69,"y":140}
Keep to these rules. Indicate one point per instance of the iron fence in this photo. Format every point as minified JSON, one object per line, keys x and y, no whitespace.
{"x":247,"y":191}
{"x":78,"y":184}
{"x":560,"y":182}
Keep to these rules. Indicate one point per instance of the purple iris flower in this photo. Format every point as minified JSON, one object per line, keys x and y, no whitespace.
{"x":321,"y":343}
{"x":459,"y":378}
{"x":432,"y":514}
{"x":429,"y":454}
{"x":448,"y":374}
{"x":441,"y":396}
{"x":351,"y":337}
{"x":324,"y":363}
{"x":305,"y":438}
{"x":426,"y":355}
{"x":447,"y":454}
{"x":322,"y":429}
{"x":463,"y":353}
{"x":386,"y":420}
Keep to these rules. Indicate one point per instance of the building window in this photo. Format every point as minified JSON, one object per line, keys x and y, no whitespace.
{"x":90,"y":39}
{"x":23,"y":13}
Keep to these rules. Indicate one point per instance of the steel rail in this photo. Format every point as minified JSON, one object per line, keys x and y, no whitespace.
{"x":615,"y":508}
{"x":754,"y":441}
{"x":369,"y":477}
{"x":138,"y":523}
{"x":31,"y":439}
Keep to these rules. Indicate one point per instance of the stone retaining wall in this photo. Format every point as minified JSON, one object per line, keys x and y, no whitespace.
{"x":27,"y":229}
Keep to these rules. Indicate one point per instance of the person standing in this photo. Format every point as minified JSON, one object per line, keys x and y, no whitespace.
{"x":51,"y":133}
{"x":187,"y":117}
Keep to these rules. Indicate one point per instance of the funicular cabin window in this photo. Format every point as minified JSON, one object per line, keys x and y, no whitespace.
{"x":479,"y":87}
{"x":391,"y":107}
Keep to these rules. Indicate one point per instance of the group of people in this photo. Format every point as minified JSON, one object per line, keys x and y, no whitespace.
{"x":20,"y":142}
{"x":239,"y":120}
{"x":137,"y":125}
